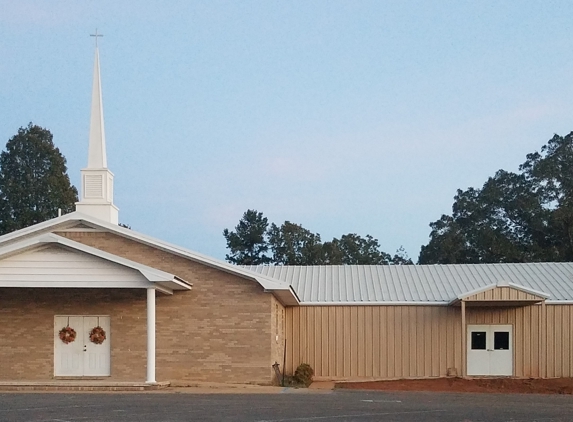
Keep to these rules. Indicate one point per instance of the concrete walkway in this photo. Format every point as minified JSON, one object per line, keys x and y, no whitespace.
{"x":163,"y":387}
{"x":222,"y":388}
{"x":79,"y":385}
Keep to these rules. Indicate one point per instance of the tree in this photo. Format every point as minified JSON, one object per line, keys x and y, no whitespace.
{"x":292,"y":244}
{"x":514,"y":217}
{"x":357,"y":250}
{"x":33,"y":180}
{"x":551,"y":171}
{"x":248,"y":243}
{"x":401,"y":257}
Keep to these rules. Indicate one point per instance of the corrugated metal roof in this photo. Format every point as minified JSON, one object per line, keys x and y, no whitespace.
{"x":363,"y":284}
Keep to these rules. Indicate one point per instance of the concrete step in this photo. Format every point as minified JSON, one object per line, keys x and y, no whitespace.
{"x":84,"y":385}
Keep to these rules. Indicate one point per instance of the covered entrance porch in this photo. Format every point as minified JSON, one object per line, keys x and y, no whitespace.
{"x":489,"y":344}
{"x":54,"y":292}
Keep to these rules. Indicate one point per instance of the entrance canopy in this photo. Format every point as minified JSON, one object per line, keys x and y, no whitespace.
{"x":52,"y":261}
{"x":501,"y":294}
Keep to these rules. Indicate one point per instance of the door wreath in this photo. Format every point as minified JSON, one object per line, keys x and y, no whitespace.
{"x":97,"y":335}
{"x":67,"y":334}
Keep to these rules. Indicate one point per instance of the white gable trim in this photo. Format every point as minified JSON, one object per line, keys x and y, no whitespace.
{"x":499,"y":284}
{"x":287,"y":293}
{"x":160,"y":280}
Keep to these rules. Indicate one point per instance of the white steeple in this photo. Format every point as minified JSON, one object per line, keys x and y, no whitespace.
{"x":97,"y":181}
{"x":97,"y":157}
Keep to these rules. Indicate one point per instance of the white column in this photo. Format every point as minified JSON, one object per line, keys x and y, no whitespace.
{"x":150,"y":336}
{"x":464,"y":341}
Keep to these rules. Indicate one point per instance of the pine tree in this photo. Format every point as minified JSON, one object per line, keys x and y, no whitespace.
{"x":33,"y":180}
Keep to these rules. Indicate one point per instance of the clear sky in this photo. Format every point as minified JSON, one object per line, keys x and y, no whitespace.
{"x":343,"y":116}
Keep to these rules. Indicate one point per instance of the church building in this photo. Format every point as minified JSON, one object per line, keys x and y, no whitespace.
{"x":82,"y":298}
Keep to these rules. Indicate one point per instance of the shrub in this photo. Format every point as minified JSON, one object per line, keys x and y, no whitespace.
{"x":303,"y":374}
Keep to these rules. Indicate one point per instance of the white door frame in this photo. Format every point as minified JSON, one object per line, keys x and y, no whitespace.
{"x":82,"y":358}
{"x":492,"y":354}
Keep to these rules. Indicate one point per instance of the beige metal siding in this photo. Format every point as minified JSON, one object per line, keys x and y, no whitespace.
{"x":421,"y":341}
{"x":527,"y":334}
{"x":559,"y":341}
{"x":503,"y":293}
{"x":374,"y":341}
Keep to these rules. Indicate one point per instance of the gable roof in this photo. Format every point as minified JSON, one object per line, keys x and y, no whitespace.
{"x":419,"y":284}
{"x":282,"y":290}
{"x":126,"y":273}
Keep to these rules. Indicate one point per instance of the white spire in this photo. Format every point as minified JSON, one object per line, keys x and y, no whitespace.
{"x":97,"y":181}
{"x":97,"y":156}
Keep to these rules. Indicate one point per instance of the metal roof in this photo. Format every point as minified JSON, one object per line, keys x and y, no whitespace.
{"x":422,"y":284}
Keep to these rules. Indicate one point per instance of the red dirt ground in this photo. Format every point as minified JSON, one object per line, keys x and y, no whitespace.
{"x":460,"y":385}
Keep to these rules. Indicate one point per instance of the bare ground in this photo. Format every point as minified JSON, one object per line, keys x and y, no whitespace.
{"x":476,"y":385}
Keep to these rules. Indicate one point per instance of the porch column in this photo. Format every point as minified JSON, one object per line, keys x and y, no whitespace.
{"x":543,"y":340}
{"x":464,"y":340}
{"x":150,"y":336}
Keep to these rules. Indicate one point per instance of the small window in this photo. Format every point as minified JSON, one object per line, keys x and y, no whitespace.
{"x":501,"y":340}
{"x":478,"y":340}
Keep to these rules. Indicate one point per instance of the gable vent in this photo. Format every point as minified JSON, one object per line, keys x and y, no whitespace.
{"x":93,"y":186}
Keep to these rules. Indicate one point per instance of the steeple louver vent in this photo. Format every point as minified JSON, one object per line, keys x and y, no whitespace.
{"x":93,"y":186}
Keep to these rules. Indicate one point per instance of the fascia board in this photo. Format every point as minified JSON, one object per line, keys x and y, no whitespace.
{"x":493,"y":286}
{"x":474,"y":292}
{"x":54,"y":223}
{"x":163,"y":289}
{"x":265,"y":282}
{"x":75,"y":217}
{"x":151,"y":274}
{"x":389,"y":303}
{"x":25,"y":245}
{"x":154,"y":275}
{"x":528,"y":290}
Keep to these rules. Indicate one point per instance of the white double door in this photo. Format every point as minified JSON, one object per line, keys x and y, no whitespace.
{"x":81,"y":357}
{"x":490,"y":350}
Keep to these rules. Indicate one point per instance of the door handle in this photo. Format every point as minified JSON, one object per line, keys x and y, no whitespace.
{"x":490,"y":350}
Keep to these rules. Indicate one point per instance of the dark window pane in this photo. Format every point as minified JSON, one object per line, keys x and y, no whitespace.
{"x":478,"y":340}
{"x":501,"y":340}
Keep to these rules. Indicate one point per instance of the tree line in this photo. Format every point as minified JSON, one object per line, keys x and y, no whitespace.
{"x":255,"y":242}
{"x":523,"y":216}
{"x":515,"y":217}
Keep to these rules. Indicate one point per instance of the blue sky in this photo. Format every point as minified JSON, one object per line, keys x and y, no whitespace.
{"x":343,"y":116}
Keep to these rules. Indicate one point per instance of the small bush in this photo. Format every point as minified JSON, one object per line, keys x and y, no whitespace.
{"x":303,"y":374}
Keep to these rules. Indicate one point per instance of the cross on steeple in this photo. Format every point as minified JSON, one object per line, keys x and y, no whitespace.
{"x":96,"y":35}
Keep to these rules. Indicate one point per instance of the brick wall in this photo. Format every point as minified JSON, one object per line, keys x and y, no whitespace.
{"x":219,"y":331}
{"x":27,"y":329}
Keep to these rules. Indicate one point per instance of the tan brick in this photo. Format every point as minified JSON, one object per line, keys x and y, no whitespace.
{"x":223,"y":330}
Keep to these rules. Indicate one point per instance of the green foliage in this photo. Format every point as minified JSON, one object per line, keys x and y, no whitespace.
{"x":303,"y":374}
{"x":33,"y":180}
{"x":514,"y":217}
{"x":248,"y":243}
{"x":292,"y":244}
{"x":357,"y":250}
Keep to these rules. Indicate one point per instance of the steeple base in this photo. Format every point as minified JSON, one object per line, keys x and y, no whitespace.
{"x":106,"y":212}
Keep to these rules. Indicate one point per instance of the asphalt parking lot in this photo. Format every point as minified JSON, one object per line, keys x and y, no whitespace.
{"x":361,"y":406}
